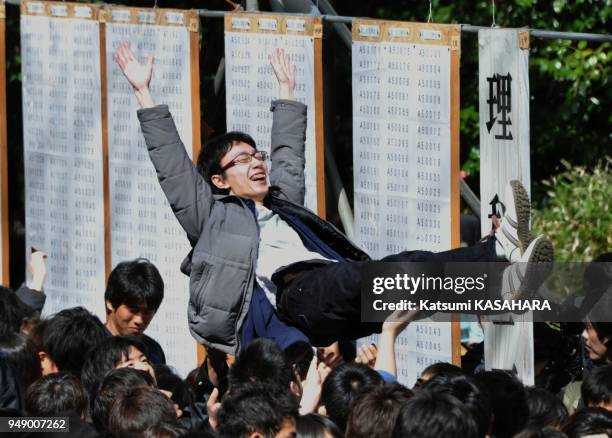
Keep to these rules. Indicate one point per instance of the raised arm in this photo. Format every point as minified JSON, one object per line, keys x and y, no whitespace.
{"x":187,"y":192}
{"x":288,"y":132}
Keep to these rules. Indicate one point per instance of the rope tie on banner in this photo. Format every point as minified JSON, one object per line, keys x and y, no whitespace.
{"x":430,"y":17}
{"x":493,"y":24}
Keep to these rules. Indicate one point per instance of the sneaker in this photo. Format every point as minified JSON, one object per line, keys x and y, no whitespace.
{"x":521,"y":280}
{"x":513,"y":236}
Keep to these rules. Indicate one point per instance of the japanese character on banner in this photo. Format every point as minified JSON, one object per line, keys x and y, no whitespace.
{"x":500,"y":105}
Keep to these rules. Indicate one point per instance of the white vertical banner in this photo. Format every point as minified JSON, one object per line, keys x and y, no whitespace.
{"x":503,"y":74}
{"x":141,"y":221}
{"x":63,"y":159}
{"x":250,"y":85}
{"x":403,"y":148}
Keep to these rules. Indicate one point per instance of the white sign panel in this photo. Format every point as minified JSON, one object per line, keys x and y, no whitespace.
{"x":250,"y":85}
{"x":142,"y":222}
{"x":402,"y":160}
{"x":503,"y":74}
{"x":62,"y":130}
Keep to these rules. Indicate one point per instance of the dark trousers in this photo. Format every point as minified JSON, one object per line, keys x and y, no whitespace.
{"x":325,"y":302}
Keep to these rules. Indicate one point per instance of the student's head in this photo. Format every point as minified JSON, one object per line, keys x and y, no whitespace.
{"x":229,"y":166}
{"x":138,"y":409}
{"x":341,"y":387}
{"x":169,"y":381}
{"x":116,"y":383}
{"x":597,"y":338}
{"x":545,"y":409}
{"x":439,"y":368}
{"x":56,"y":394}
{"x":13,"y":313}
{"x":63,"y":340}
{"x":262,"y":361}
{"x":317,"y":426}
{"x":133,"y":294}
{"x":113,"y":352}
{"x":469,"y":392}
{"x":588,"y":421}
{"x":18,"y":350}
{"x":258,"y":411}
{"x":433,"y":414}
{"x":508,"y":401}
{"x":596,"y":388}
{"x":373,"y":413}
{"x":538,"y":432}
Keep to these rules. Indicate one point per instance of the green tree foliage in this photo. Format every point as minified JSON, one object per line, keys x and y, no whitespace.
{"x":578,"y":215}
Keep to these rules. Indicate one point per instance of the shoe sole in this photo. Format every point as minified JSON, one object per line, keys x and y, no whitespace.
{"x":523,"y":214}
{"x":538,"y":268}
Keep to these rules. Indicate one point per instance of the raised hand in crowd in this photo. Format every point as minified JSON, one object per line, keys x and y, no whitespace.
{"x":38,"y":270}
{"x":395,"y":323}
{"x":137,"y":74}
{"x":330,"y":355}
{"x":366,"y":355}
{"x":312,"y":386}
{"x":285,"y":73}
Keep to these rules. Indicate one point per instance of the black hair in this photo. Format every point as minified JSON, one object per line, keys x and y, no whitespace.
{"x":545,"y":409}
{"x":256,"y":407}
{"x":442,"y":368}
{"x":342,"y":385}
{"x":316,"y":426}
{"x":105,"y":357}
{"x":140,"y":408}
{"x":434,"y":414}
{"x":56,"y":394}
{"x":168,"y":380}
{"x":165,"y":430}
{"x":472,"y":394}
{"x":262,"y":361}
{"x":135,"y":283}
{"x":588,"y":421}
{"x":374,"y":413}
{"x":209,"y":160}
{"x":597,"y":386}
{"x":19,"y":350}
{"x":116,"y":383}
{"x":604,"y":333}
{"x":299,"y":355}
{"x":508,"y":402}
{"x":538,"y":432}
{"x":67,"y":336}
{"x":13,"y":312}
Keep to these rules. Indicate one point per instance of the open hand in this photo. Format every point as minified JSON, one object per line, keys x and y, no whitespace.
{"x":138,"y":75}
{"x":397,"y":321}
{"x":285,"y":73}
{"x":38,"y":269}
{"x":366,"y":355}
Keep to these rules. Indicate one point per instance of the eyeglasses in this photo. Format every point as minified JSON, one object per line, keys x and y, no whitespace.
{"x":245,"y":158}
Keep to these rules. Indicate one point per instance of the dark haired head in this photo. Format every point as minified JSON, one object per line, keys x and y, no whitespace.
{"x":469,"y":392}
{"x":262,"y":361}
{"x":19,"y":350}
{"x":596,"y":387}
{"x":140,"y":408}
{"x":105,"y":357}
{"x":545,"y":409}
{"x":597,"y":337}
{"x":317,"y":426}
{"x":508,"y":401}
{"x":439,"y":368}
{"x":342,"y":385}
{"x":209,"y":160}
{"x":169,"y":381}
{"x":588,"y":421}
{"x":537,"y":432}
{"x":56,"y":394}
{"x":13,"y":312}
{"x":298,"y":356}
{"x":431,"y":414}
{"x":133,"y":294}
{"x":67,"y":336}
{"x":257,"y":407}
{"x":165,"y":430}
{"x":373,"y":413}
{"x":116,"y":383}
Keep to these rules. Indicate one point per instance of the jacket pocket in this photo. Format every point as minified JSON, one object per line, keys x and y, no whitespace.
{"x":197,"y":285}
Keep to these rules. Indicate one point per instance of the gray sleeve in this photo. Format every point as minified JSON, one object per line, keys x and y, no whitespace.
{"x":188,"y":194}
{"x":33,"y":298}
{"x":288,"y":140}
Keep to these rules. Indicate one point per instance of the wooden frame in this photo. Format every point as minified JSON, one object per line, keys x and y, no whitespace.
{"x":431,"y":34}
{"x":299,"y":25}
{"x":4,"y":193}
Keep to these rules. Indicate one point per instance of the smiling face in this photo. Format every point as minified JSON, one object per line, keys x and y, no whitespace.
{"x":246,"y":180}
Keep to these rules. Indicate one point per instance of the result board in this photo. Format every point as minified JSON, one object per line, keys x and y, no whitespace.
{"x":406,"y":158}
{"x":250,"y":85}
{"x":63,"y":155}
{"x":141,"y":221}
{"x":4,"y":218}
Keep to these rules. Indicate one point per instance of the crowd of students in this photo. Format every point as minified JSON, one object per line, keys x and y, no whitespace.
{"x":111,"y":380}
